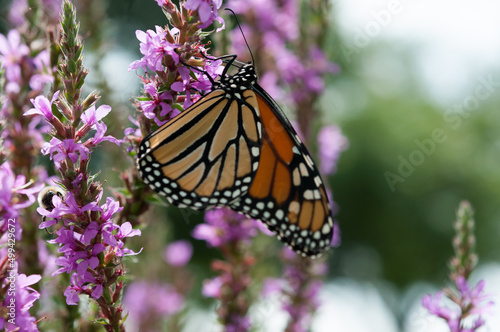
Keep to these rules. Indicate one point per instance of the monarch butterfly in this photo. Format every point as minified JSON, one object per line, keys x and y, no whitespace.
{"x":235,"y":148}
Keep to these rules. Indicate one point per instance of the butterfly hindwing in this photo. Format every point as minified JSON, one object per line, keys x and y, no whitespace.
{"x":287,"y":192}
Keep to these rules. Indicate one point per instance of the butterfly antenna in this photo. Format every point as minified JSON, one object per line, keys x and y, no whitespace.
{"x":244,"y":38}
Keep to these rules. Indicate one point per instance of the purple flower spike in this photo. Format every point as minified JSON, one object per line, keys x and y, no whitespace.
{"x":466,"y":306}
{"x":471,"y":302}
{"x":298,"y":289}
{"x":231,"y":233}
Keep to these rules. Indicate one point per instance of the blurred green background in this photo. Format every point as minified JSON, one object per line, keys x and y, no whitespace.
{"x":396,"y":87}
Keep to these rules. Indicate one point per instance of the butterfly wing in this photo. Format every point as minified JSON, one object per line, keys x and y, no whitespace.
{"x":205,"y":157}
{"x":236,"y":148}
{"x":287,"y":192}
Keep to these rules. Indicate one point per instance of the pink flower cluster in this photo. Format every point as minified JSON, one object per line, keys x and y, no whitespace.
{"x":16,"y":60}
{"x":167,"y":79}
{"x":467,"y":302}
{"x":85,"y":246}
{"x":84,"y":243}
{"x":299,"y":289}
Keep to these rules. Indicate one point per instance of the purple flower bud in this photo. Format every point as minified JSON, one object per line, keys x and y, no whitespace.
{"x":224,"y":225}
{"x":331,"y":144}
{"x":272,"y":286}
{"x":471,"y":300}
{"x":207,"y":11}
{"x":336,"y":238}
{"x":208,"y":233}
{"x":212,"y":287}
{"x":145,"y":301}
{"x":178,"y":253}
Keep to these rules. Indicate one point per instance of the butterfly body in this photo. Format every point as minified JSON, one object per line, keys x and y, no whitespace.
{"x":235,"y":148}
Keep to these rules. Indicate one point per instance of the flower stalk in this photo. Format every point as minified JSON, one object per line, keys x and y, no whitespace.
{"x":464,"y":243}
{"x":92,"y":244}
{"x":466,"y":301}
{"x":169,"y":86}
{"x":231,"y":233}
{"x":25,"y":71}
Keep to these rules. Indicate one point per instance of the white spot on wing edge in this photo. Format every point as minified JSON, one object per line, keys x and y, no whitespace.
{"x":325,"y":229}
{"x":309,"y":195}
{"x":309,"y":161}
{"x":303,"y":169}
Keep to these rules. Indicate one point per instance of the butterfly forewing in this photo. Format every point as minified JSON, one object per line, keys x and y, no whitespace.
{"x":205,"y":157}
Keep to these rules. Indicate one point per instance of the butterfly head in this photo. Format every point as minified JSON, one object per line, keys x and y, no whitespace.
{"x":242,"y":80}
